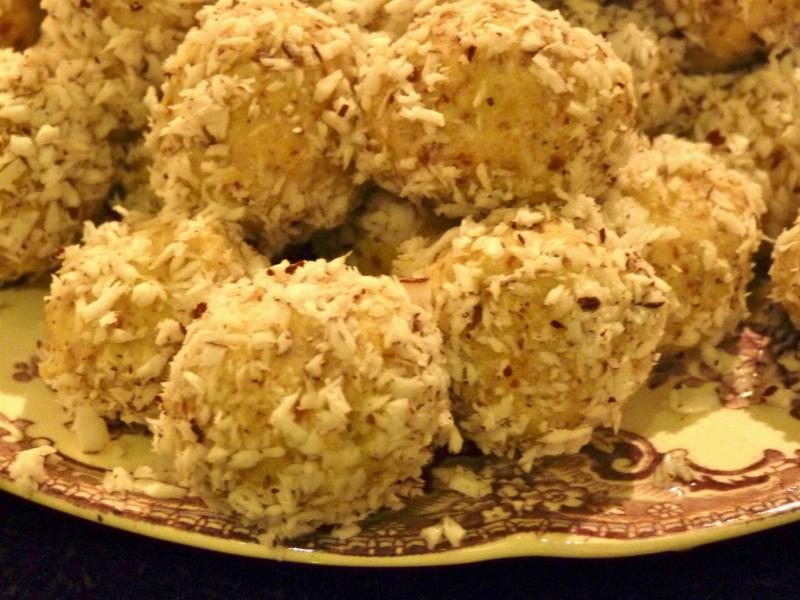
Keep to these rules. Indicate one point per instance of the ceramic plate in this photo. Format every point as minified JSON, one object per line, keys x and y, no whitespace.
{"x":710,"y":450}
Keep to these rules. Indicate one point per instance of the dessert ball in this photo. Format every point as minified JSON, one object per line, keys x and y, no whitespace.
{"x":313,"y":396}
{"x":256,"y":111}
{"x":753,"y":121}
{"x":784,"y":272}
{"x":55,"y":169}
{"x":373,"y":235}
{"x":19,"y":23}
{"x":697,"y":222}
{"x":484,"y":104}
{"x":732,"y":31}
{"x":128,"y":39}
{"x":119,"y":305}
{"x":645,"y":38}
{"x":548,"y":329}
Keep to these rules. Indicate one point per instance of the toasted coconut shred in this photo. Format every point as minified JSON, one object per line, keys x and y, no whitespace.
{"x":256,"y":69}
{"x":442,"y":102}
{"x":119,"y":305}
{"x":312,"y":395}
{"x":447,"y":530}
{"x":697,"y":222}
{"x":464,"y":481}
{"x":548,"y":329}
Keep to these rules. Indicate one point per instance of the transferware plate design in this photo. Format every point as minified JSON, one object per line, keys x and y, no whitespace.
{"x":709,"y":450}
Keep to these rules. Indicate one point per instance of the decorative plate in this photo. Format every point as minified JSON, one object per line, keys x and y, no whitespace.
{"x":710,"y":450}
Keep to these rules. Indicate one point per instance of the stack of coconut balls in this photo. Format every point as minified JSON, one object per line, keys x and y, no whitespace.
{"x":508,"y":212}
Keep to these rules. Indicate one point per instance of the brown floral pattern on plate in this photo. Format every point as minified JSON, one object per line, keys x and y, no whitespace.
{"x":615,"y":489}
{"x":606,"y":491}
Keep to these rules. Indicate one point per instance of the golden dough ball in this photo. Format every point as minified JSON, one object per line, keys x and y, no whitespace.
{"x":55,"y":167}
{"x":752,"y":121}
{"x":313,"y":396}
{"x":19,"y":23}
{"x":374,"y":233}
{"x":548,"y":329}
{"x":732,"y":31}
{"x":257,"y":112}
{"x":118,"y":307}
{"x":697,"y":222}
{"x":130,"y":39}
{"x":483,"y":104}
{"x":784,"y":271}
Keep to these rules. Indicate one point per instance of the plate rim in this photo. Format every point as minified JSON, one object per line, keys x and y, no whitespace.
{"x":520,"y":545}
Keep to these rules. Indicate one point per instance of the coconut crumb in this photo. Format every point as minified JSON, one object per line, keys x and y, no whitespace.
{"x":346,"y":531}
{"x":90,"y":430}
{"x":447,"y":529}
{"x":118,"y":480}
{"x":28,"y":468}
{"x":464,"y":481}
{"x":695,"y":400}
{"x":14,"y":433}
{"x":141,"y":481}
{"x":673,"y":468}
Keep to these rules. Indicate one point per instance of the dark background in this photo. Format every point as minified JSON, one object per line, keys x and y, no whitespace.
{"x":45,"y":554}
